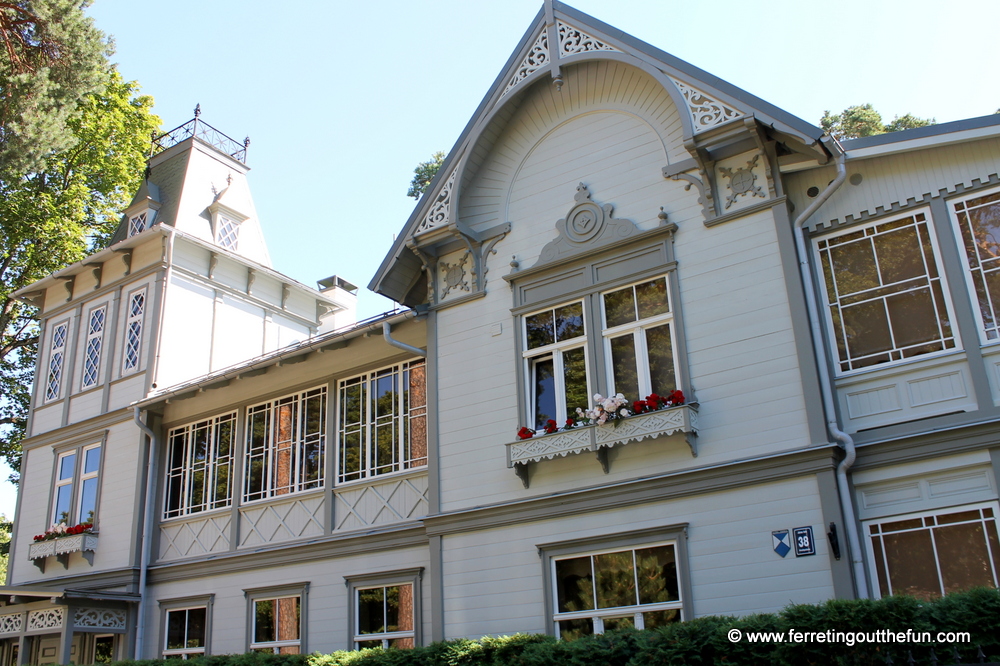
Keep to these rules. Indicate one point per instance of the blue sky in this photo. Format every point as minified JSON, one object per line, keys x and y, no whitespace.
{"x":342,"y":99}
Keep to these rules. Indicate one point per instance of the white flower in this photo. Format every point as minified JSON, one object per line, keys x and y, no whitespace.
{"x":620,"y":398}
{"x":598,"y":397}
{"x":623,"y":411}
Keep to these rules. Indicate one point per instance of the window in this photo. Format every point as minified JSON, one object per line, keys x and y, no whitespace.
{"x":136,"y":224}
{"x":57,"y":354}
{"x":133,"y":328}
{"x":276,"y":619}
{"x":74,"y":498}
{"x":638,"y":339}
{"x":200,"y":466}
{"x":555,"y":358}
{"x":614,"y":589}
{"x":286,"y":444}
{"x":385,"y":609}
{"x":885,"y":294}
{"x":931,"y":554}
{"x":977,"y":221}
{"x":229,"y":233}
{"x":92,"y":352}
{"x":186,"y":630}
{"x":382,"y":424}
{"x":384,"y":617}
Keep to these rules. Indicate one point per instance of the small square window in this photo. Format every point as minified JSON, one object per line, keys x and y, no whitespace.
{"x":276,"y":618}
{"x":187,"y":627}
{"x":385,"y":609}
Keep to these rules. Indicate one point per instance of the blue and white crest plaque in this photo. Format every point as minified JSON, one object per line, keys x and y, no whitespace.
{"x":779,"y":539}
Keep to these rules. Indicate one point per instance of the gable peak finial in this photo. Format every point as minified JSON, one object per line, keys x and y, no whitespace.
{"x":197,"y":110}
{"x":582,"y":193}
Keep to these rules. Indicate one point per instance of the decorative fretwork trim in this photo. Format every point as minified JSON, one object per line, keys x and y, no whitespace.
{"x":49,"y":618}
{"x":12,"y":623}
{"x":440,"y":212}
{"x":573,"y":40}
{"x":706,"y":112}
{"x":537,"y":58}
{"x":99,"y":618}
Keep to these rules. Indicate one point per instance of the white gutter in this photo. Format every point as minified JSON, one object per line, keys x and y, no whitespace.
{"x":147,"y":541}
{"x":825,"y":383}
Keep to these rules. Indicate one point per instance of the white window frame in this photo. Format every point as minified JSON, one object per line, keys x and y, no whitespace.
{"x":134,"y":324}
{"x":638,"y":330}
{"x":896,"y":350}
{"x":95,"y":338}
{"x":210,"y":468}
{"x":227,"y":233}
{"x":298,"y":591}
{"x":922,"y":515}
{"x":296,"y":446}
{"x":185,"y":652}
{"x":405,"y":413}
{"x":555,"y":351}
{"x":954,"y":215}
{"x":76,"y":482}
{"x":137,"y":223}
{"x":57,"y":361}
{"x":357,"y":584}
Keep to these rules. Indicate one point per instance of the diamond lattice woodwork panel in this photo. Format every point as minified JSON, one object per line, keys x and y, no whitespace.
{"x":190,"y":538}
{"x":281,"y":521}
{"x":383,"y":502}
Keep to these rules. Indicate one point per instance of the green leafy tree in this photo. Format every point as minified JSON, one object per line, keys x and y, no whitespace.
{"x":51,"y":56}
{"x":52,"y":215}
{"x":863,"y":120}
{"x":424,"y":173}
{"x":6,"y":527}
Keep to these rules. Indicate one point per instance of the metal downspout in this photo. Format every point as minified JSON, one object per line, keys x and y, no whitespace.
{"x":140,"y":627}
{"x":387,"y":335}
{"x":826,"y":386}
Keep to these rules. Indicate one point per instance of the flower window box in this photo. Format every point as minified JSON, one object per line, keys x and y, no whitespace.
{"x":62,"y":547}
{"x":600,"y":438}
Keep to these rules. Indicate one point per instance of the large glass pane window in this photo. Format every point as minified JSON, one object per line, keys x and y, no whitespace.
{"x":200,"y":466}
{"x":286,"y":445}
{"x":74,"y":499}
{"x":384,"y":616}
{"x":276,"y":625}
{"x":932,"y":554}
{"x":555,"y":363}
{"x":382,"y":422}
{"x":977,"y":220}
{"x":639,"y":340}
{"x":603,"y":591}
{"x":885,"y":297}
{"x":186,"y":632}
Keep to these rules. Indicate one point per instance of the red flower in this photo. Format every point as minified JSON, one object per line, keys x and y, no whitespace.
{"x":525,"y":433}
{"x":638,"y":406}
{"x":551,"y":426}
{"x":677,"y":397}
{"x":569,"y":424}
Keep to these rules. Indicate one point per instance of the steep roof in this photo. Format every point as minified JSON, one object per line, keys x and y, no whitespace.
{"x":562,"y":36}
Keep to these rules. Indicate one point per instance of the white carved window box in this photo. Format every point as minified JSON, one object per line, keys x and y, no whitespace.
{"x":600,"y":438}
{"x":62,"y":548}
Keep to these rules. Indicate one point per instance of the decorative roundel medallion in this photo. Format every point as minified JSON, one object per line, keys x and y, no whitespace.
{"x":455,"y":275}
{"x":584,"y":222}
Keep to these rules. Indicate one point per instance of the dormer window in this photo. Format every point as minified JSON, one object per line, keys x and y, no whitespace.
{"x":228,"y":234}
{"x":137,"y":224}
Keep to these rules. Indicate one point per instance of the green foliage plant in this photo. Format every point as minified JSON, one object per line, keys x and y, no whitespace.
{"x":423,"y":175}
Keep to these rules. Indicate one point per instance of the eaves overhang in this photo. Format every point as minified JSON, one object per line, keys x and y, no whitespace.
{"x":672,"y":72}
{"x":292,"y":353}
{"x":920,"y":138}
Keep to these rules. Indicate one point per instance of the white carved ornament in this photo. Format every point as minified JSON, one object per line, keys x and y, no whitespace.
{"x":99,"y":618}
{"x":11,"y":624}
{"x":440,"y":212}
{"x":706,"y":112}
{"x":537,"y":58}
{"x":550,"y":446}
{"x":41,"y":549}
{"x":49,"y":618}
{"x":655,"y":424}
{"x":573,"y":40}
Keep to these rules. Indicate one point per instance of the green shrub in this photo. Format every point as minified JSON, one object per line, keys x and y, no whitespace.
{"x":703,"y":641}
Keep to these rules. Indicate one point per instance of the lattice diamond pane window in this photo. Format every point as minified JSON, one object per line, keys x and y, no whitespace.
{"x":57,"y":352}
{"x":137,"y":224}
{"x":229,"y":233}
{"x":92,"y":354}
{"x":133,"y":329}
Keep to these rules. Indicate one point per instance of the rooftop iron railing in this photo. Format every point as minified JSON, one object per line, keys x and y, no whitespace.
{"x":202,"y":130}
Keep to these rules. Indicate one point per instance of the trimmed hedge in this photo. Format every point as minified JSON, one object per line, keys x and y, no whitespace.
{"x":702,"y":641}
